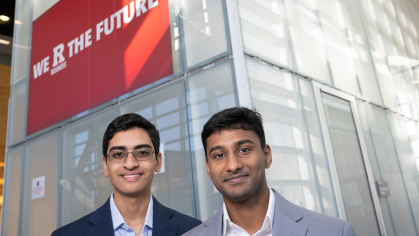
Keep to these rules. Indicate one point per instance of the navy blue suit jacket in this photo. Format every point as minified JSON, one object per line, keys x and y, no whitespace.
{"x":166,"y":222}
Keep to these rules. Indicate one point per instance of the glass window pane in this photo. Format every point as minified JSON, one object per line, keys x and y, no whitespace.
{"x":307,"y":39}
{"x":412,"y":128}
{"x":209,"y":92}
{"x":407,"y":163}
{"x":41,"y":160}
{"x":382,"y":155}
{"x":18,"y":94}
{"x":204,"y":27}
{"x":84,"y":187}
{"x":276,"y":95}
{"x":165,"y":108}
{"x":350,"y":166}
{"x":373,"y":19}
{"x":264,"y":31}
{"x":337,"y":34}
{"x":11,"y":195}
{"x":21,"y":40}
{"x":326,"y":192}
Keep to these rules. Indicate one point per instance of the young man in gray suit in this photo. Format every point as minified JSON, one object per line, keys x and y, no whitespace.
{"x":236,"y":159}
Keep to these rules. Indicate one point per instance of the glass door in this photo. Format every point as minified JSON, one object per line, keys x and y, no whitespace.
{"x":348,"y":162}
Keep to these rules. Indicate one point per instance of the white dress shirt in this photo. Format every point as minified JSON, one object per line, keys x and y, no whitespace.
{"x":231,"y":229}
{"x":122,"y":229}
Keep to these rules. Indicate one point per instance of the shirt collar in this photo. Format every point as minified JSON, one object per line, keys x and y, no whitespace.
{"x":118,"y":220}
{"x":268,"y":218}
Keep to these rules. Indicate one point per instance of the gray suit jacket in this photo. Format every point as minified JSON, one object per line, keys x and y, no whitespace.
{"x":289,"y":220}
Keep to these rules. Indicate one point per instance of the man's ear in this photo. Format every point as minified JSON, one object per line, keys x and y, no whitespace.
{"x":105,"y":167}
{"x":208,"y":169}
{"x":159,"y":162}
{"x":268,"y":156}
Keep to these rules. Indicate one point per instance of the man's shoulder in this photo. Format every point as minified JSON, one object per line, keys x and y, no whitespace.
{"x":184,"y":222}
{"x":313,"y":216}
{"x":320,"y":224}
{"x":211,"y":222}
{"x":77,"y":227}
{"x":183,"y":218}
{"x":80,"y":226}
{"x":195,"y":231}
{"x":315,"y":223}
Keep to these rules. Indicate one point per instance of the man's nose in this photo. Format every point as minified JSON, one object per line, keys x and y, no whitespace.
{"x":131,"y":162}
{"x":233,"y":163}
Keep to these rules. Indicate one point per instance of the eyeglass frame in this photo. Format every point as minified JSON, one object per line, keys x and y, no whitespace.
{"x":107,"y":156}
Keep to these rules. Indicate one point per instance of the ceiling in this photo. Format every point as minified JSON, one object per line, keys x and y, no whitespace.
{"x":7,"y":8}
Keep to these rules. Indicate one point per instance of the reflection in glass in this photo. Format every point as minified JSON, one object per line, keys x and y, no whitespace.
{"x":17,"y":112}
{"x":299,"y":172}
{"x":165,"y":108}
{"x":209,"y":92}
{"x":383,"y":156}
{"x":11,"y":194}
{"x":204,"y":28}
{"x":264,"y":31}
{"x":406,"y":161}
{"x":41,"y":159}
{"x":84,"y":187}
{"x":350,"y":166}
{"x":21,"y":46}
{"x":307,"y":39}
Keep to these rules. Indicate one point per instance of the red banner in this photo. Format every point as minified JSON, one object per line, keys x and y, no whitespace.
{"x":88,"y":52}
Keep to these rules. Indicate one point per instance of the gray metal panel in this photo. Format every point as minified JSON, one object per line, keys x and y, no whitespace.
{"x":241,"y":79}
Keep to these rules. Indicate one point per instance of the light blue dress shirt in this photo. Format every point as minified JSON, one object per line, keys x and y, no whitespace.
{"x":120,"y":228}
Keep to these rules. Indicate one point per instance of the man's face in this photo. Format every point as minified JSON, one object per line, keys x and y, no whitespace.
{"x":132,"y":177}
{"x":236,"y":163}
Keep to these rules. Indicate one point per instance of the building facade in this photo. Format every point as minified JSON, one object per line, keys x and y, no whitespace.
{"x":335,"y":81}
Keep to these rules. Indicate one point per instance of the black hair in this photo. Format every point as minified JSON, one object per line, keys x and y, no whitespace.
{"x":129,"y":121}
{"x":234,"y":118}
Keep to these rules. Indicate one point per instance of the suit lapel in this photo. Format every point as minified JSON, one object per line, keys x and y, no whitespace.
{"x":102,"y":221}
{"x":162,"y":225}
{"x":286,"y":218}
{"x":213,"y":226}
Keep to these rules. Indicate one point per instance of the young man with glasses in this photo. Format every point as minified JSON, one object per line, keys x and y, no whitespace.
{"x":130,"y":158}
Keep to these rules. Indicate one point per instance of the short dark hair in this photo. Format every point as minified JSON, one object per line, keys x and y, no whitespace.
{"x":129,"y":121}
{"x":234,"y":118}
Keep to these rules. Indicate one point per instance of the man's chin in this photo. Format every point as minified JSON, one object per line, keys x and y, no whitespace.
{"x":237,"y":195}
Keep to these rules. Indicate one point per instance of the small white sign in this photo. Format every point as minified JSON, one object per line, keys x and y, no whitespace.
{"x":163,"y":168}
{"x":38,"y":187}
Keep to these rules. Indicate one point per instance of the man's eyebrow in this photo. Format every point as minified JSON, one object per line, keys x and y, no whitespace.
{"x":142,"y":146}
{"x":118,"y":147}
{"x":244,"y":141}
{"x":125,"y":148}
{"x":214,"y":148}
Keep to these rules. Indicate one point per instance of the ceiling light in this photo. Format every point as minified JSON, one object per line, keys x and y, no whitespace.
{"x":4,"y":18}
{"x":18,"y":22}
{"x":4,"y":42}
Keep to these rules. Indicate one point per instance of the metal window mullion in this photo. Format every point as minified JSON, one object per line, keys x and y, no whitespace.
{"x":329,"y":152}
{"x":240,"y":71}
{"x":60,"y":176}
{"x":191,"y":163}
{"x":368,"y":169}
{"x":22,"y":182}
{"x":379,"y":169}
{"x":5,"y":184}
{"x":310,"y":147}
{"x":401,"y":173}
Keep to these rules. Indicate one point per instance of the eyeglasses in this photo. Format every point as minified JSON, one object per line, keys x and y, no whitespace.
{"x":120,"y":156}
